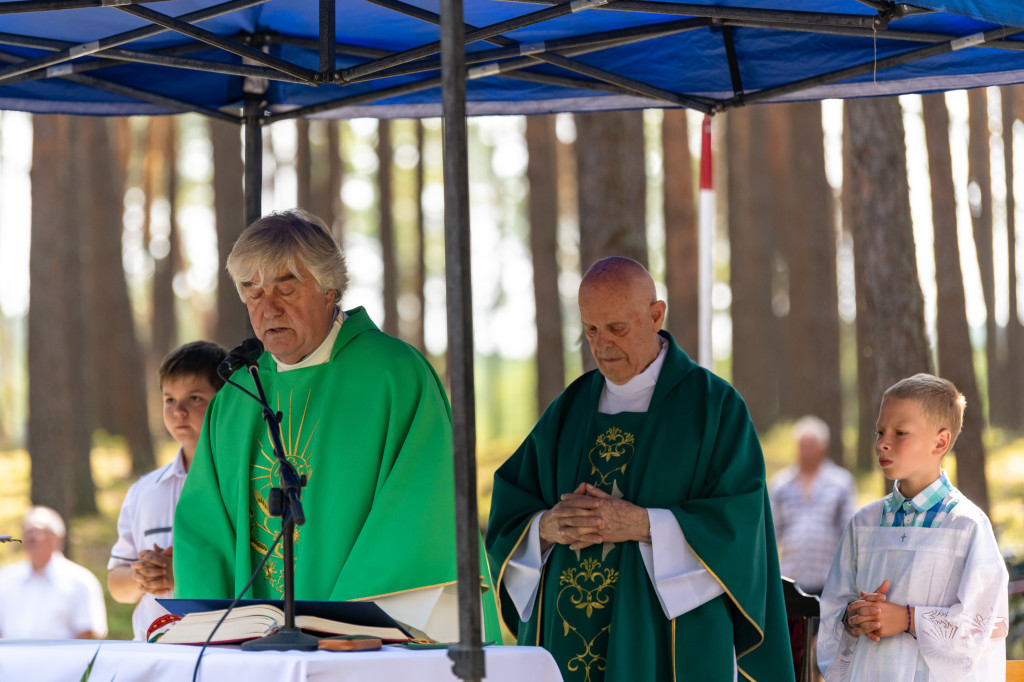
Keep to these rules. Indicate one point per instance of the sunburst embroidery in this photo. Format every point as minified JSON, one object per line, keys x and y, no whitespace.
{"x":264,"y":477}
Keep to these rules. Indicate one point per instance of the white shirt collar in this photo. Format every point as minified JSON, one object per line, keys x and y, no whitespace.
{"x":49,"y":570}
{"x":634,"y":395}
{"x":176,"y":469}
{"x":323,"y":352}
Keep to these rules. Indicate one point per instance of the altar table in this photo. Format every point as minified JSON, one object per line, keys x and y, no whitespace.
{"x":67,"y":660}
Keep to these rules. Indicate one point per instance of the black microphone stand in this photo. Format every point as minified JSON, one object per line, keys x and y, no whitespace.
{"x":285,"y":501}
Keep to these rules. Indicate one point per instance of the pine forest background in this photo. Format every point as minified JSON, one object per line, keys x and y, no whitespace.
{"x":857,"y":242}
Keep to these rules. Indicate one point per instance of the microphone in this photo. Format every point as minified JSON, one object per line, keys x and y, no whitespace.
{"x":245,"y":355}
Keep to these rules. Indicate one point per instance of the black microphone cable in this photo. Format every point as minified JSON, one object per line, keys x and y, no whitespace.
{"x":252,"y":578}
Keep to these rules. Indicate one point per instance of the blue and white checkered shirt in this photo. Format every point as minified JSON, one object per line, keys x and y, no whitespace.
{"x":927,"y":509}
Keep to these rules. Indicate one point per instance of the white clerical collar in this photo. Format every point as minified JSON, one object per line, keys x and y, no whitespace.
{"x":323,"y":352}
{"x":634,"y":395}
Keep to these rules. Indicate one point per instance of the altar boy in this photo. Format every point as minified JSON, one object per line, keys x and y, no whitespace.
{"x":918,"y":589}
{"x":140,"y":562}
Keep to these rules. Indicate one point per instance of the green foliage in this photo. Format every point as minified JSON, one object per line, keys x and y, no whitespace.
{"x":88,"y":668}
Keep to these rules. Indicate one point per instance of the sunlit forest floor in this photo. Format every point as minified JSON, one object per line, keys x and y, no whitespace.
{"x":92,"y":537}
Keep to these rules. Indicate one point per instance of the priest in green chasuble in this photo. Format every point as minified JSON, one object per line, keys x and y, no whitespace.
{"x":365,"y":419}
{"x":630,"y":534}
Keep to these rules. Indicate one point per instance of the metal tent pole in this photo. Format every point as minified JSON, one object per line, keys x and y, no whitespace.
{"x":467,"y":656}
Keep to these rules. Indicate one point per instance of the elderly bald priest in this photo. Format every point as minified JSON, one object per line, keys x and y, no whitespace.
{"x":630,"y":534}
{"x":365,"y":419}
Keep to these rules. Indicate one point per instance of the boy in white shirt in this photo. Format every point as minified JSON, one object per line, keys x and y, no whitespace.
{"x":140,"y":561}
{"x":918,"y":589}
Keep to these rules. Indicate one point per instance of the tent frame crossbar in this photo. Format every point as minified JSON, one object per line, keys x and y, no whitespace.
{"x":367,"y":97}
{"x":629,"y":85}
{"x":345,"y":49}
{"x":97,"y":46}
{"x":210,"y":38}
{"x":872,"y":66}
{"x":734,"y":64}
{"x":567,"y":46}
{"x":116,"y":56}
{"x":136,"y":93}
{"x":856,"y":32}
{"x":23,"y":6}
{"x":472,"y":36}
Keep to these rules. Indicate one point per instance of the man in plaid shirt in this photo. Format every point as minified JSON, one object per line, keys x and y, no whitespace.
{"x":811,"y":502}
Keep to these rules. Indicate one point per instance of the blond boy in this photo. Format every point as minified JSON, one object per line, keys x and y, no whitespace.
{"x":918,"y":589}
{"x":140,"y":562}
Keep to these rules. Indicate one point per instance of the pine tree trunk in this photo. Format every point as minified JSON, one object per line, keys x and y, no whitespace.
{"x":1013,"y":366}
{"x":954,"y":341}
{"x":542,"y":174}
{"x":418,"y":338}
{"x":58,"y":431}
{"x":335,"y":177}
{"x":980,"y":173}
{"x":388,"y":247}
{"x":116,"y":351}
{"x":305,"y":187}
{"x":891,"y":339}
{"x":229,"y":213}
{"x":612,"y":186}
{"x":682,"y":277}
{"x":808,"y":235}
{"x":755,"y":329}
{"x":165,"y":332}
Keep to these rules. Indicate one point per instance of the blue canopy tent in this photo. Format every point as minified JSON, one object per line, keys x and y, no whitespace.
{"x":254,"y":62}
{"x":526,"y":56}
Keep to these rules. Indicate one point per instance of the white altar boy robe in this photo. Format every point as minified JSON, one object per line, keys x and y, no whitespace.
{"x":955,"y":578}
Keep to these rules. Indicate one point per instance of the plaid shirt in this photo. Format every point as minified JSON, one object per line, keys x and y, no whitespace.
{"x":808,"y":524}
{"x":927,"y":509}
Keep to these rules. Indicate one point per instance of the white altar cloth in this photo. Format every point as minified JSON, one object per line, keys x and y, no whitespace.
{"x":67,"y":660}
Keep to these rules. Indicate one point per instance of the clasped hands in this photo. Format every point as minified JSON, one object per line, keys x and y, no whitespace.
{"x":589,"y":516}
{"x":153,"y":571}
{"x":874,"y":617}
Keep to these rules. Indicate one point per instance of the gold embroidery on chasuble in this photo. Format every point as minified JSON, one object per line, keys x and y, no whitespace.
{"x":612,"y":452}
{"x":587,"y":590}
{"x":264,"y":476}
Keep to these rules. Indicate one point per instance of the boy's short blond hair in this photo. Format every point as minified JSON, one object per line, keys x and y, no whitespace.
{"x":940,"y":401}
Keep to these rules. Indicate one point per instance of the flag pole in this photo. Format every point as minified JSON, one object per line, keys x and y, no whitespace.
{"x":705,"y":237}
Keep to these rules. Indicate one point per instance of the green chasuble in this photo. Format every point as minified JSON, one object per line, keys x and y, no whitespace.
{"x":695,"y":453}
{"x":371,"y":430}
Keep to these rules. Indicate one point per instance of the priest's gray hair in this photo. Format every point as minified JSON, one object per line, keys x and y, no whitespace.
{"x":286,"y":239}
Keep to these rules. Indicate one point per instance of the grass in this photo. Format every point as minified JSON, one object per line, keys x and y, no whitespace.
{"x":93,"y":536}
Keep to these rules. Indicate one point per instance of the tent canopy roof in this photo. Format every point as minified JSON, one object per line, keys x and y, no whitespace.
{"x":526,"y":56}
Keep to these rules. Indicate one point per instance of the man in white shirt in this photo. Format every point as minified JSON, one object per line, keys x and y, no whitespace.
{"x":47,"y":596}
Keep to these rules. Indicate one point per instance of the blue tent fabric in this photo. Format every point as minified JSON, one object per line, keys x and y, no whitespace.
{"x":777,"y":43}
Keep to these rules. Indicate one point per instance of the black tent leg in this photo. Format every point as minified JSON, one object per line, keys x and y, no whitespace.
{"x":467,"y":656}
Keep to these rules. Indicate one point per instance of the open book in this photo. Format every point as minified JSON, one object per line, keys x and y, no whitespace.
{"x":253,"y":621}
